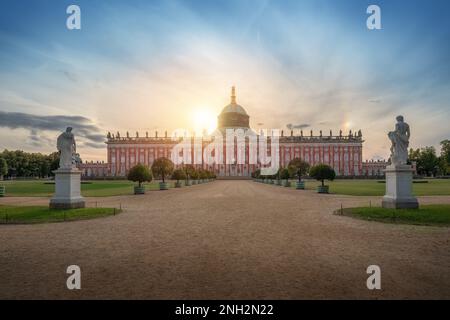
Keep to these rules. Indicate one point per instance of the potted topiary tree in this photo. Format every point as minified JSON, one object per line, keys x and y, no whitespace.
{"x":272,"y":179}
{"x":178,"y":175}
{"x":284,"y":174}
{"x":162,"y":168}
{"x":298,"y":168}
{"x":258,"y":175}
{"x":208,"y":175}
{"x":203,"y":175}
{"x":194,"y":176}
{"x":188,"y":169}
{"x":139,"y":173}
{"x":277,"y":179}
{"x":322,"y":172}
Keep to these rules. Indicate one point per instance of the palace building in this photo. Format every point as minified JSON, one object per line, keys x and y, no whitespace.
{"x":342,"y":152}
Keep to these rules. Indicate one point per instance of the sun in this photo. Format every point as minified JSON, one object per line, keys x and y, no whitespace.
{"x":348,"y":124}
{"x":203,"y":120}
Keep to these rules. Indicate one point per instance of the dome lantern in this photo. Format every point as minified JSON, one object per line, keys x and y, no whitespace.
{"x":233,"y":115}
{"x":233,"y":95}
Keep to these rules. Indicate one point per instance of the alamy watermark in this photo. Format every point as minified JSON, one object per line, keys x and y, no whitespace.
{"x":73,"y":21}
{"x":242,"y":146}
{"x":374,"y":280}
{"x":74,"y":280}
{"x":374,"y":20}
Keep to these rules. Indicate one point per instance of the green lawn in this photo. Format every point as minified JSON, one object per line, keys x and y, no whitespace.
{"x":100,"y":188}
{"x":40,"y":214}
{"x":437,"y":215}
{"x":434,"y":187}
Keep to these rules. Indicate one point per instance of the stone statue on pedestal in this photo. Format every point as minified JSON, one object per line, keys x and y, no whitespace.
{"x":399,"y":174}
{"x":68,"y":176}
{"x":67,"y":148}
{"x":400,"y":142}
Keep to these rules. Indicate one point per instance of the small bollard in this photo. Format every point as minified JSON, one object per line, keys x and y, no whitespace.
{"x":342,"y":210}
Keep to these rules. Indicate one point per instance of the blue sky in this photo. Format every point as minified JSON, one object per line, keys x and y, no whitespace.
{"x":150,"y":65}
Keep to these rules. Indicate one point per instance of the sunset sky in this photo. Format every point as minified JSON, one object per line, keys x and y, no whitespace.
{"x":162,"y":65}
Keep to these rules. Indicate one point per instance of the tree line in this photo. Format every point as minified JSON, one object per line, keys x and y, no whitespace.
{"x":428,"y":163}
{"x":19,"y":163}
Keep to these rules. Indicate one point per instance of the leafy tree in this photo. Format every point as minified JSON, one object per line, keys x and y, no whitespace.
{"x":322,"y":172}
{"x":140,"y":173}
{"x":203,"y":174}
{"x":3,"y":168}
{"x":298,"y":168}
{"x":276,"y":176}
{"x":195,"y":174}
{"x":445,"y":151}
{"x":208,"y":173}
{"x":284,"y":173}
{"x":211,"y":174}
{"x":162,"y":167}
{"x":444,"y":159}
{"x":54,"y":161}
{"x":188,"y":169}
{"x":23,"y":164}
{"x":178,"y":175}
{"x":427,"y":163}
{"x":443,"y":167}
{"x":413,"y":155}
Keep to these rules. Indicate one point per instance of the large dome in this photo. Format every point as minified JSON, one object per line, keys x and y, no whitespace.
{"x":233,"y":115}
{"x":234,"y":108}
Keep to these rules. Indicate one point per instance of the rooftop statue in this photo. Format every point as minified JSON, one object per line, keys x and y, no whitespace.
{"x":67,"y":148}
{"x":400,"y":142}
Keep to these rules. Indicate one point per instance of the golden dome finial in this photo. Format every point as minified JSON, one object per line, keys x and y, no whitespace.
{"x":233,"y":95}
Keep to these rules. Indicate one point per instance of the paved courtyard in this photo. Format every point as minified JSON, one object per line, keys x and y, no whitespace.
{"x":225,"y":240}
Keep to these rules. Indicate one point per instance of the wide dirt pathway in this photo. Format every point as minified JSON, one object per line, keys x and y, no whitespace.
{"x":222,"y":240}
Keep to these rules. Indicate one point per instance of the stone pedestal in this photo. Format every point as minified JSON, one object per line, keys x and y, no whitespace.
{"x":67,"y":189}
{"x":399,"y":188}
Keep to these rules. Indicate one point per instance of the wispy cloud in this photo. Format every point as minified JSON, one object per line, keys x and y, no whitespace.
{"x":314,"y":65}
{"x":291,"y":126}
{"x":83,"y":127}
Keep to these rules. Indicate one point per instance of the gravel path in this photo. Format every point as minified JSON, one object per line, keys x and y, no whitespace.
{"x":225,"y":240}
